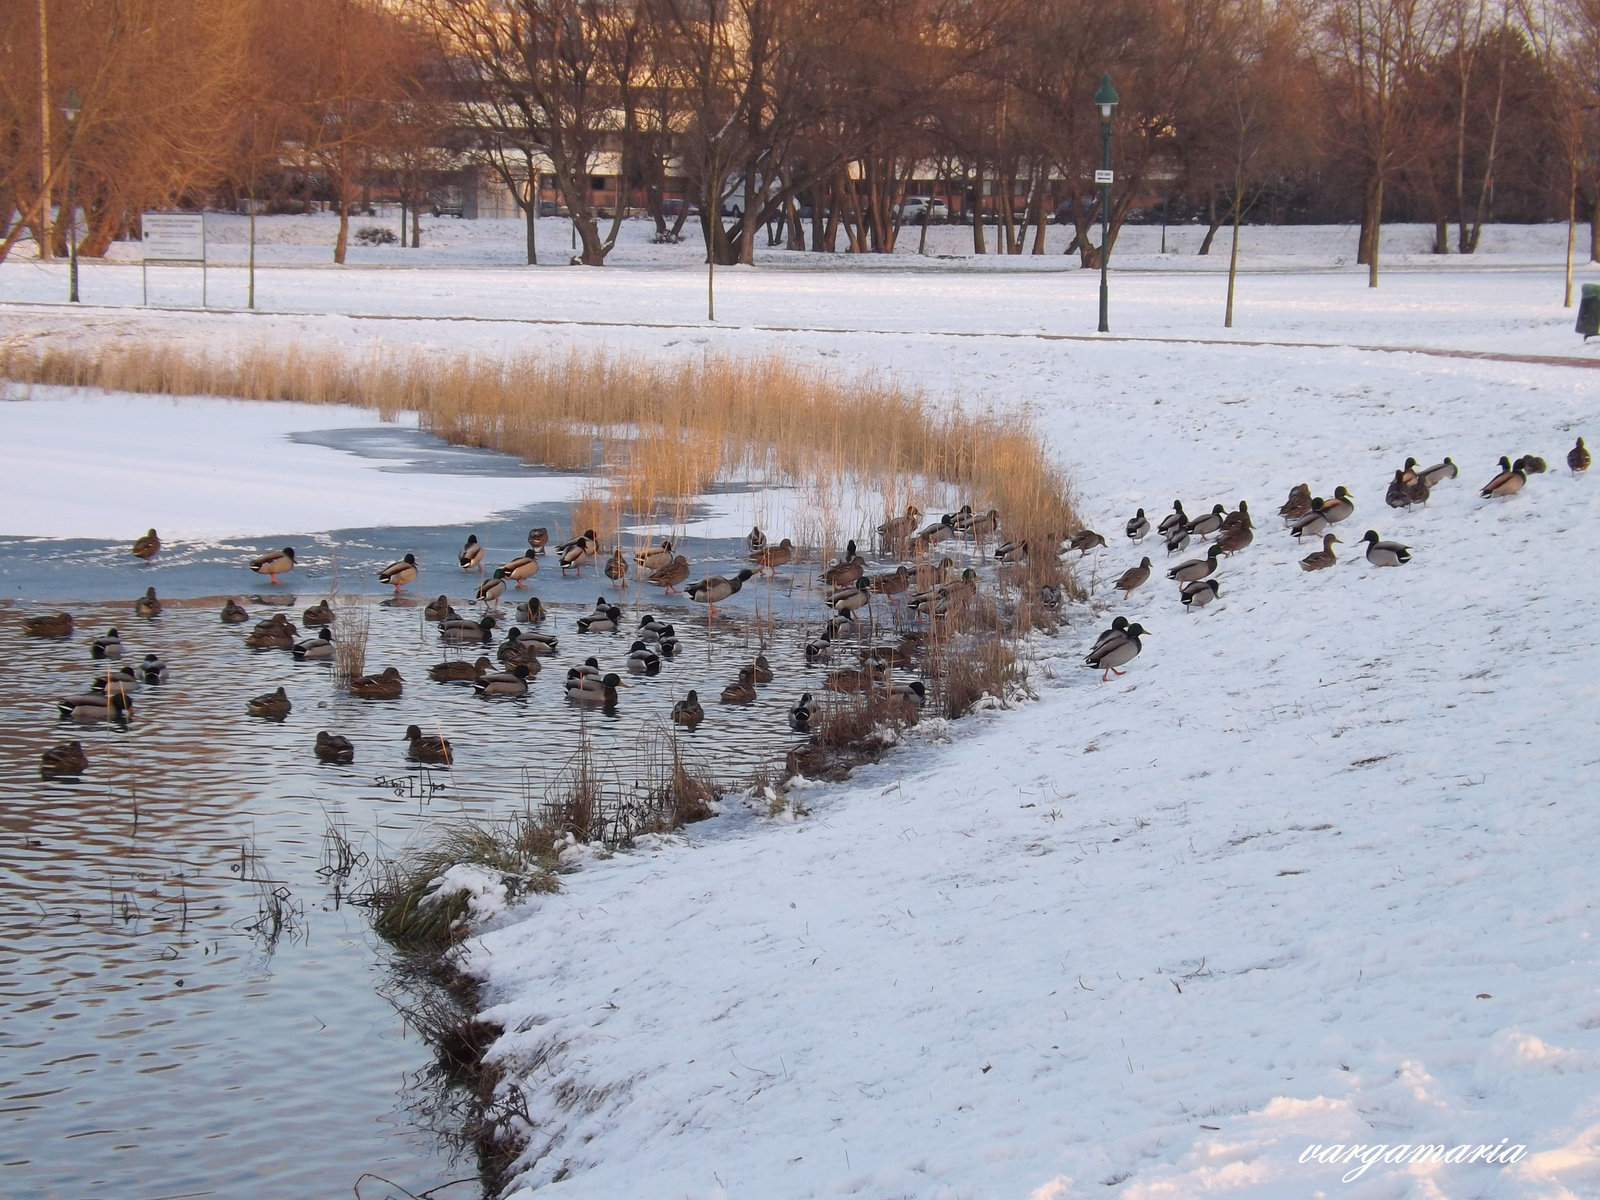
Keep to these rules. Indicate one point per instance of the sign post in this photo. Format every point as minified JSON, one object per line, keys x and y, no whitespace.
{"x":173,"y":238}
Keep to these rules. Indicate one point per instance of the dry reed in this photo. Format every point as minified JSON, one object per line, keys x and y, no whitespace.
{"x":666,"y":430}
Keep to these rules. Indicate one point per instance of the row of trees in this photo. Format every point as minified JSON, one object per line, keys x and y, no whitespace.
{"x":1451,"y":110}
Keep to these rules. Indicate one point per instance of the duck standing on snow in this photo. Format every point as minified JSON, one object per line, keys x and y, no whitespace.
{"x":1196,"y":568}
{"x":471,"y":554}
{"x":1320,"y":560}
{"x":1235,"y":538}
{"x":688,"y":711}
{"x":1175,"y":519}
{"x":670,"y":575}
{"x":274,"y":563}
{"x":1200,"y":593}
{"x":617,"y":568}
{"x":1138,"y":526}
{"x":846,"y":570}
{"x":847,"y":599}
{"x":1435,"y":475}
{"x":1385,"y":554}
{"x":1341,"y":507}
{"x":1297,"y":505}
{"x":1507,"y":483}
{"x":1578,"y":458}
{"x":1115,"y":650}
{"x":985,"y":524}
{"x":538,"y":539}
{"x":1239,"y":516}
{"x":755,"y":541}
{"x":492,"y":588}
{"x":1532,"y":464}
{"x":769,"y":558}
{"x":399,"y":573}
{"x":1399,"y":493}
{"x":573,"y":552}
{"x":334,"y":748}
{"x":1017,"y":552}
{"x":1086,"y":540}
{"x":653,"y":558}
{"x":894,"y":532}
{"x":892,"y":583}
{"x":521,"y":569}
{"x":146,"y":547}
{"x":1177,"y":538}
{"x":714,"y":589}
{"x":1206,"y":524}
{"x":1135,"y":577}
{"x":1118,"y":625}
{"x":1312,"y":523}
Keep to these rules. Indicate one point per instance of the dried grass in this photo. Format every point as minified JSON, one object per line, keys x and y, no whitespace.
{"x":667,"y":430}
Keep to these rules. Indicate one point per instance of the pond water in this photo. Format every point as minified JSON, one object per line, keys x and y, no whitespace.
{"x":161,"y":1037}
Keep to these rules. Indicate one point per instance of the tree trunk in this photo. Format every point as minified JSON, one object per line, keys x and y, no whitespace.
{"x":1441,"y":233}
{"x":340,"y":246}
{"x":1366,"y":236}
{"x":1213,"y":221}
{"x":978,"y":246}
{"x":530,"y":217}
{"x":1375,"y":226}
{"x":1038,"y":211}
{"x":42,"y":230}
{"x":1233,"y":253}
{"x":1594,"y":224}
{"x":830,"y":237}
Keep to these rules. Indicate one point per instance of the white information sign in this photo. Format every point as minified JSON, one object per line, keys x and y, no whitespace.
{"x":174,"y":237}
{"x":1103,"y":177}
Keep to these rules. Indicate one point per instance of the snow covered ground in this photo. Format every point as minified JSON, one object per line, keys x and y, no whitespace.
{"x":1314,"y":872}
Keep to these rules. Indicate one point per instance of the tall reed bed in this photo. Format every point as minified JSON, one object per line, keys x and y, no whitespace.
{"x":660,"y":431}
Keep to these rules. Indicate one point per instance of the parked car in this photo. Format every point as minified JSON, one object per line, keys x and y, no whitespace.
{"x":913,"y":210}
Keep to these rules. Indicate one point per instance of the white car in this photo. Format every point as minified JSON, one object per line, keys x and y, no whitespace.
{"x":915,"y":207}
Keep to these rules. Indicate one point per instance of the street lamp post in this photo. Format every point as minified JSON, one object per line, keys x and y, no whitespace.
{"x":70,"y":108}
{"x":1105,"y":100}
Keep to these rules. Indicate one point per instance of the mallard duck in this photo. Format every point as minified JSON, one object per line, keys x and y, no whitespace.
{"x":820,"y":649}
{"x":399,"y":573}
{"x":588,"y":689}
{"x":277,"y":632}
{"x":1135,"y":577}
{"x":317,"y":649}
{"x":1200,"y":593}
{"x":109,"y":646}
{"x":543,"y":645}
{"x":755,"y":541}
{"x":856,"y":679}
{"x":573,"y":552}
{"x":607,"y":620}
{"x":123,"y":679}
{"x":643,"y":661}
{"x":910,"y":691}
{"x":1435,"y":475}
{"x":1398,"y":494}
{"x":320,"y":613}
{"x":523,"y":648}
{"x":1385,"y":554}
{"x":1319,"y":560}
{"x":1312,"y":523}
{"x":985,"y":524}
{"x":1206,"y":524}
{"x":892,"y":583}
{"x":1175,"y":519}
{"x":1507,"y":483}
{"x":962,"y":519}
{"x":1235,"y":539}
{"x":617,"y":567}
{"x":459,"y":631}
{"x":519,"y":570}
{"x":538,"y":539}
{"x":274,"y":706}
{"x":95,"y":706}
{"x":741,"y":690}
{"x":1408,"y":472}
{"x":902,"y":654}
{"x":503,"y":683}
{"x":1138,"y":526}
{"x":1118,"y":626}
{"x":688,"y":711}
{"x":429,"y":748}
{"x":770,"y":558}
{"x":851,"y":597}
{"x":274,"y":563}
{"x":234,"y":613}
{"x":279,"y":601}
{"x":893,"y":532}
{"x":1239,"y":516}
{"x":1297,"y":505}
{"x":471,"y":554}
{"x":152,"y":670}
{"x":1577,"y":458}
{"x":459,"y":671}
{"x":1418,"y":490}
{"x":387,"y":685}
{"x":1341,"y":507}
{"x":146,"y":547}
{"x":762,"y":669}
{"x":1177,"y":538}
{"x":932,"y":534}
{"x":800,"y":715}
{"x":531,"y":611}
{"x":1014,"y":552}
{"x":846,"y":569}
{"x":1084,"y":541}
{"x":52,"y":625}
{"x":714,"y":589}
{"x":651,"y":628}
{"x":1532,"y":464}
{"x":1116,"y":650}
{"x":670,"y":575}
{"x":589,"y":668}
{"x":492,"y":588}
{"x":653,"y":558}
{"x":438,"y":609}
{"x":67,"y":759}
{"x":147,"y":605}
{"x":962,"y":589}
{"x":333,"y":748}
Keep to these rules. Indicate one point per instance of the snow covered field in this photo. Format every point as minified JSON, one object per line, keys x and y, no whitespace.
{"x":1314,"y":872}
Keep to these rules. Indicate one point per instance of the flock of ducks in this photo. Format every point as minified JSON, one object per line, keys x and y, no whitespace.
{"x":926,"y":591}
{"x":1304,"y":515}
